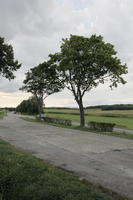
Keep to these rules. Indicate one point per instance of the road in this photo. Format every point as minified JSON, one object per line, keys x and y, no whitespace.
{"x":104,"y":160}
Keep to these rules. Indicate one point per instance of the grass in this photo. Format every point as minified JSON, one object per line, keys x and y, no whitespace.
{"x":122,"y":118}
{"x":24,"y":177}
{"x":126,"y":113}
{"x":2,"y":114}
{"x":116,"y":134}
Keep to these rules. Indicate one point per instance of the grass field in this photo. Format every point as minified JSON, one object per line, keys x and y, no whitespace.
{"x":24,"y":177}
{"x":122,"y":119}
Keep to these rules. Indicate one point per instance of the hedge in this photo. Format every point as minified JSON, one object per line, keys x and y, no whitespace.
{"x":58,"y":121}
{"x":101,"y":126}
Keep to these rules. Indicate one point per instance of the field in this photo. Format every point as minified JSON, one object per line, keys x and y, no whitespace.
{"x":122,"y":118}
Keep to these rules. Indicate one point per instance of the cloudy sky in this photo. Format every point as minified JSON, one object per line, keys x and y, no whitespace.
{"x":35,"y":29}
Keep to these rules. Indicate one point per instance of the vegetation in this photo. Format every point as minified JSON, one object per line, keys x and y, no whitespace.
{"x":107,"y":127}
{"x":121,"y":120}
{"x":29,"y":106}
{"x":42,"y":81}
{"x":7,"y":63}
{"x":2,"y":114}
{"x":119,"y":107}
{"x":58,"y":121}
{"x":112,"y":107}
{"x":25,"y":177}
{"x":84,"y":63}
{"x":116,"y":134}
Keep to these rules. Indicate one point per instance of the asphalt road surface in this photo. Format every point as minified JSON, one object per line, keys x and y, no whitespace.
{"x":101,"y":159}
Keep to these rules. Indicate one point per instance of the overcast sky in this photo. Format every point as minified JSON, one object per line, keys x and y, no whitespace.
{"x":35,"y":29}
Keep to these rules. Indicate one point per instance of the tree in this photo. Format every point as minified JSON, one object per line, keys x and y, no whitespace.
{"x":7,"y":63}
{"x":83,"y":63}
{"x":29,"y":106}
{"x":42,"y":81}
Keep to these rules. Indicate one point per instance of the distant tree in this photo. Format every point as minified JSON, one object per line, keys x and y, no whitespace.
{"x":7,"y":63}
{"x":42,"y":81}
{"x":83,"y":63}
{"x":29,"y":106}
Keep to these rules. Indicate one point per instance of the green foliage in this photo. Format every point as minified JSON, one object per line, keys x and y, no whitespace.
{"x":25,"y":177}
{"x":101,"y":126}
{"x":58,"y":121}
{"x":121,"y":122}
{"x":112,"y":107}
{"x":42,"y":81}
{"x":7,"y":63}
{"x":29,"y":106}
{"x":83,"y":63}
{"x":118,"y":107}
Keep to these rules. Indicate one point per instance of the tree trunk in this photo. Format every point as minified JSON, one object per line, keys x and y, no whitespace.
{"x":40,"y":105}
{"x":81,"y":109}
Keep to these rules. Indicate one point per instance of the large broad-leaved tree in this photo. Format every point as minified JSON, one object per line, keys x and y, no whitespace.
{"x":83,"y":63}
{"x":7,"y":62}
{"x":42,"y":81}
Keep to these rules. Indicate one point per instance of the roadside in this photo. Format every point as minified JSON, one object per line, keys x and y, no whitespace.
{"x":118,"y":130}
{"x":30,"y":178}
{"x":98,"y":158}
{"x":77,"y":127}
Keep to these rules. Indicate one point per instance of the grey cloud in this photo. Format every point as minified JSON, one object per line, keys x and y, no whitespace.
{"x":36,"y":27}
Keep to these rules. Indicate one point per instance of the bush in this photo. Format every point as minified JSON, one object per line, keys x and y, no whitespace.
{"x":58,"y":121}
{"x":101,"y":126}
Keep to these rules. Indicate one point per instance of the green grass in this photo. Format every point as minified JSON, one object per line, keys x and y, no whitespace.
{"x":116,"y":134}
{"x":24,"y":177}
{"x":119,"y":120}
{"x":2,"y":114}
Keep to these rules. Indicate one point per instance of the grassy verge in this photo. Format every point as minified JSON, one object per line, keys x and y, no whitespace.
{"x":2,"y":115}
{"x":24,"y":177}
{"x":121,"y":122}
{"x":116,"y":134}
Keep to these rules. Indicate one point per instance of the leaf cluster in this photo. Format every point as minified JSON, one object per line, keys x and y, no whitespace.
{"x":7,"y":63}
{"x":42,"y":80}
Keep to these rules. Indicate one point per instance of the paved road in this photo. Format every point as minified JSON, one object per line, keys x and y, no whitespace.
{"x":104,"y":160}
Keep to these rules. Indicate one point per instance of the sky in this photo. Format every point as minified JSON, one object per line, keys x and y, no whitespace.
{"x":35,"y":29}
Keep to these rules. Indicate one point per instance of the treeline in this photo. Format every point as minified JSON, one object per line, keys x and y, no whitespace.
{"x":8,"y":108}
{"x":112,"y":107}
{"x":29,"y":106}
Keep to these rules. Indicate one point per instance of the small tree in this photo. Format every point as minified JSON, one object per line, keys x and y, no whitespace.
{"x":83,"y":63}
{"x":7,"y":63}
{"x":42,"y":81}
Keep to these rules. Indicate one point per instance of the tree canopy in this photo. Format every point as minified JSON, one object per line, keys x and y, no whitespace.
{"x":7,"y":63}
{"x":84,"y":62}
{"x":42,"y":81}
{"x":29,"y":106}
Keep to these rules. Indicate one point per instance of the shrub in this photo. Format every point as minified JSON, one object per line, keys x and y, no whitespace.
{"x":58,"y":121}
{"x":101,"y":126}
